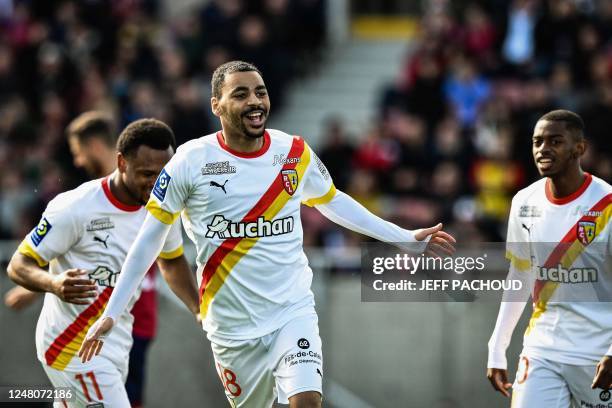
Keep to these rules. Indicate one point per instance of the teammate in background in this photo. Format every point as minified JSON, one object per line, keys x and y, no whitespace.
{"x":566,"y":344}
{"x":240,"y":192}
{"x":83,"y":237}
{"x":91,"y":137}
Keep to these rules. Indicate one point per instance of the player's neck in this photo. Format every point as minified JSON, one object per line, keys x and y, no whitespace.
{"x":242,"y":143}
{"x":120,"y":190}
{"x":565,"y":184}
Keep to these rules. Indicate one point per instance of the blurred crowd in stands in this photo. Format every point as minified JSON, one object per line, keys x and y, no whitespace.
{"x":59,"y":58}
{"x":453,"y":142}
{"x":453,"y":138}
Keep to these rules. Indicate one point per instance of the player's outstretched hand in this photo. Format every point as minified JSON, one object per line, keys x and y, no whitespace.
{"x":19,"y":298}
{"x":603,"y":374}
{"x":498,"y":378}
{"x":441,"y":243}
{"x":94,"y":340}
{"x":74,"y":286}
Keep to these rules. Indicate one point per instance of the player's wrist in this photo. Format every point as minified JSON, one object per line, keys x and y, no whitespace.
{"x":195,"y":310}
{"x":497,"y":359}
{"x":53,"y":284}
{"x":108,"y":318}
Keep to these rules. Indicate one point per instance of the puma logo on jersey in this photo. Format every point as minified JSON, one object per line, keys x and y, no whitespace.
{"x":222,"y":187}
{"x":102,"y":241}
{"x":104,"y":276}
{"x":223,"y":228}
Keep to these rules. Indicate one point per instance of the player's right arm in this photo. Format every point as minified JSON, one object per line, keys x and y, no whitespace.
{"x":142,"y":254}
{"x":511,"y":308}
{"x":72,"y":286}
{"x":54,"y":235}
{"x":497,"y":365}
{"x":165,"y":204}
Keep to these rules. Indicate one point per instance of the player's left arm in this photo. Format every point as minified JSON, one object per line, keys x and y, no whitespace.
{"x":181,"y":280}
{"x":176,"y":271}
{"x":345,"y":211}
{"x":18,"y":298}
{"x":603,"y":371}
{"x":320,"y":192}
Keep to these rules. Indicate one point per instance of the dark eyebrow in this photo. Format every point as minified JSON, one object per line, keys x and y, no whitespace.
{"x":551,"y":136}
{"x":246,"y":89}
{"x":240,"y":88}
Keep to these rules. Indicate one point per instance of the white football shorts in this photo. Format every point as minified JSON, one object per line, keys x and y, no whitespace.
{"x":545,"y":383}
{"x":101,"y":384}
{"x":283,"y":363}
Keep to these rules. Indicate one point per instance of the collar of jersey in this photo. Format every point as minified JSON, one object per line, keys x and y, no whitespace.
{"x":250,"y":155}
{"x":114,"y":201}
{"x":571,"y":197}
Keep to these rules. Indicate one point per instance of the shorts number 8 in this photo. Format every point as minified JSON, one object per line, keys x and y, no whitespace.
{"x":228,"y":378}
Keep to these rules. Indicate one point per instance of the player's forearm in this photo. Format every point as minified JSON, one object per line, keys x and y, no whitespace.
{"x":345,"y":211}
{"x":25,"y":272}
{"x":181,"y":280}
{"x":140,"y":257}
{"x":507,"y":318}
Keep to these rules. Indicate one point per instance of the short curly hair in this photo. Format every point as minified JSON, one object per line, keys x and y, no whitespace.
{"x":145,"y":132}
{"x":218,"y":77}
{"x":573,"y":121}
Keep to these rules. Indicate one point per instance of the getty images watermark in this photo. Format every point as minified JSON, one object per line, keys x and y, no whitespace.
{"x":486,"y":272}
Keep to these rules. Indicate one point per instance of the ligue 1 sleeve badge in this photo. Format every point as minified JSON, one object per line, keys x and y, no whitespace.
{"x":161,"y":185}
{"x":41,"y":231}
{"x":290,"y":180}
{"x":585,"y":232}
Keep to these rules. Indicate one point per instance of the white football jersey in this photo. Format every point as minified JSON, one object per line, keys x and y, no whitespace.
{"x":86,"y":228}
{"x":569,"y":256}
{"x":242,"y":211}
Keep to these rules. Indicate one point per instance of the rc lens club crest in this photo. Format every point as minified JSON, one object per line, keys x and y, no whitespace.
{"x":290,"y":180}
{"x":586,"y":232}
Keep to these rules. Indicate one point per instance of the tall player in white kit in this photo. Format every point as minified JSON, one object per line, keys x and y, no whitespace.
{"x":83,"y":238}
{"x":239,"y":191}
{"x":568,"y":343}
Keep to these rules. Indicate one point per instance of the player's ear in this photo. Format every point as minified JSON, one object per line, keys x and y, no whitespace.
{"x":214,"y":104}
{"x":580,"y":148}
{"x":121,"y":163}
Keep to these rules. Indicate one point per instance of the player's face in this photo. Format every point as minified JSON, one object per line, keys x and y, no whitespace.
{"x":244,"y":104}
{"x":84,"y":157}
{"x":140,"y":171}
{"x":554,"y":148}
